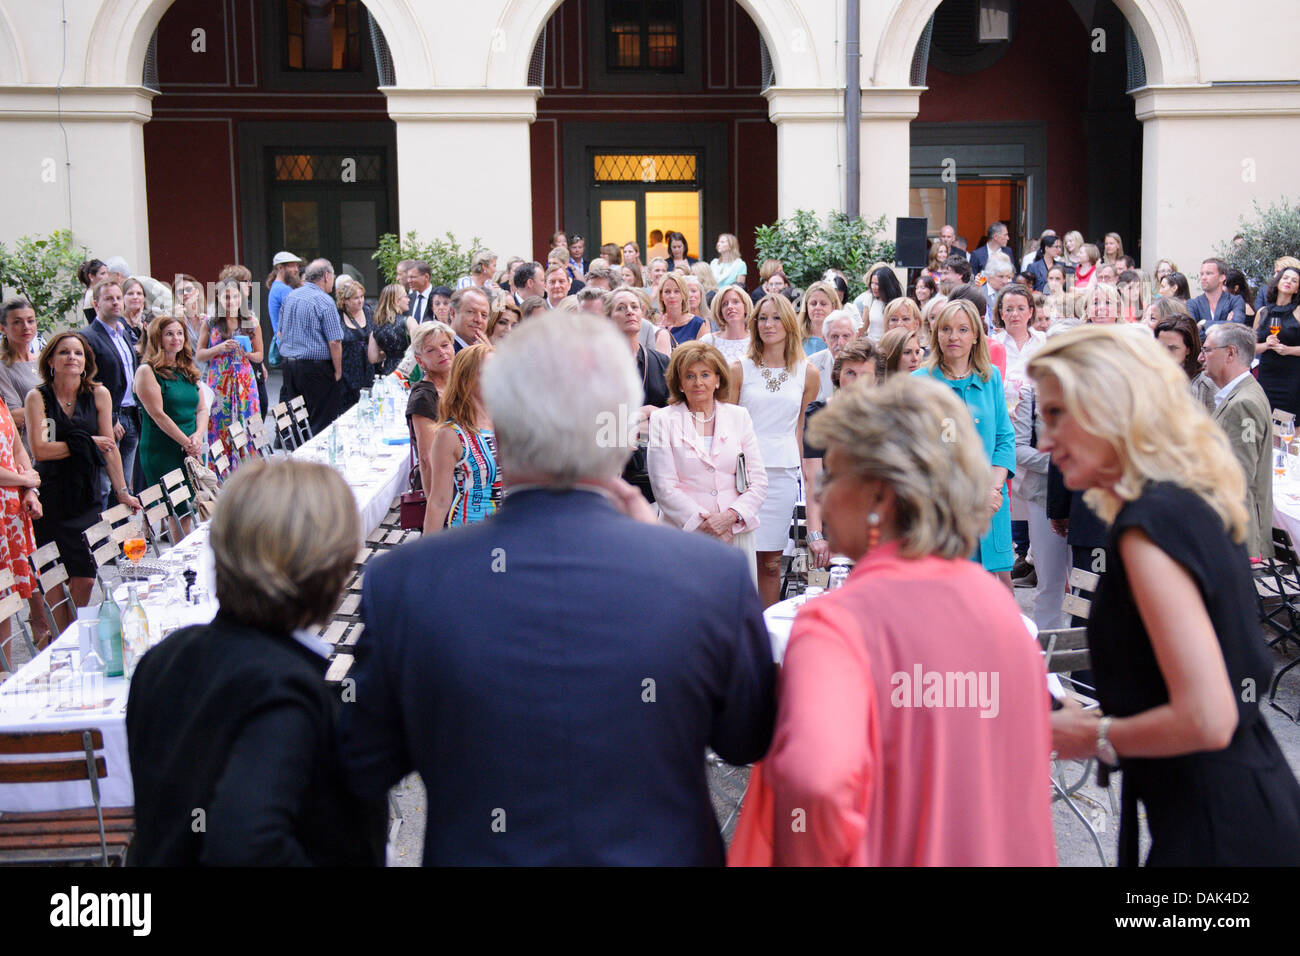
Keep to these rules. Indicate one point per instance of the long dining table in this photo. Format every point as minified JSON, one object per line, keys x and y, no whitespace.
{"x":376,"y":470}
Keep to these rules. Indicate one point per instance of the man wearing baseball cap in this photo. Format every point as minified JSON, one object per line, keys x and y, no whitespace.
{"x":284,"y":278}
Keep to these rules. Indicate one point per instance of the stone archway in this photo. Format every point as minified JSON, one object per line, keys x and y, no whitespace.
{"x":122,"y":29}
{"x":1161,"y":26}
{"x":13,"y":67}
{"x":786,"y":31}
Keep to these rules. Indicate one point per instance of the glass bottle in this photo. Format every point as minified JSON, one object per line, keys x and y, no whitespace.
{"x":109,"y":628}
{"x":135,"y":631}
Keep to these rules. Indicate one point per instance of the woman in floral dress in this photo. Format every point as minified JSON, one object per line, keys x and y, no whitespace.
{"x":18,"y":484}
{"x":230,"y":367}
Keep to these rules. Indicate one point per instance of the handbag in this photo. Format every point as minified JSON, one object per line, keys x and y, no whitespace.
{"x":413,"y":501}
{"x":742,"y":474}
{"x":273,"y":358}
{"x":205,"y":485}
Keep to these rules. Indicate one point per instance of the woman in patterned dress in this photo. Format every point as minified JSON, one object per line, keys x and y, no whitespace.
{"x":18,"y":486}
{"x":465,"y":480}
{"x":230,"y":367}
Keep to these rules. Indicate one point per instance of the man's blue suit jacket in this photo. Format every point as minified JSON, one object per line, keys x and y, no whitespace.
{"x":555,"y":674}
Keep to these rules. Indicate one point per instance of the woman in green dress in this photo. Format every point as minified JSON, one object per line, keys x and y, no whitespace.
{"x":167,"y":384}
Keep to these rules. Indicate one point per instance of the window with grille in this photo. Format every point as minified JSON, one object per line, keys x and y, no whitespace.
{"x":643,"y":36}
{"x":329,"y":167}
{"x":643,"y":168}
{"x":323,"y":37}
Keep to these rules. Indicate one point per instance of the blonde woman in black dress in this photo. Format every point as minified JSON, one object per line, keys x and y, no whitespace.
{"x":1177,"y":657}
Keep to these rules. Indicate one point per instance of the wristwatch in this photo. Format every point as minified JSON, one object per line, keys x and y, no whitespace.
{"x":816,"y":536}
{"x":1105,"y":749}
{"x":124,"y":490}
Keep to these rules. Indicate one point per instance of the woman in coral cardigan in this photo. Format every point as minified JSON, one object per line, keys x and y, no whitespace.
{"x":696,"y":444}
{"x":912,"y":725}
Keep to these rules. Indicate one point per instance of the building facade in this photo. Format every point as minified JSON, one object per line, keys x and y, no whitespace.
{"x":186,"y":134}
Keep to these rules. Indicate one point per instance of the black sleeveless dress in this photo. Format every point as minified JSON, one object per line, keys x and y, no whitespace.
{"x":1279,"y":375}
{"x":70,"y":493}
{"x":1238,"y":806}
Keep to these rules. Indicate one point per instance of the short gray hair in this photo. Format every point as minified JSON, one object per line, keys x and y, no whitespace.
{"x":425,"y":329}
{"x":1236,"y":335}
{"x":584,"y":431}
{"x":836,"y":316}
{"x":317,"y":270}
{"x":999,"y":265}
{"x":917,"y":437}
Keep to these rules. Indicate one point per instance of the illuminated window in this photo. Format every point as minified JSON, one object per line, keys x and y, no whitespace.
{"x":643,"y":36}
{"x":637,"y":168}
{"x":323,"y":37}
{"x":355,"y":167}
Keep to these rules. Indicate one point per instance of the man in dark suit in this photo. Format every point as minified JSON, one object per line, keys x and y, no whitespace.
{"x":996,"y":239}
{"x":115,"y":361}
{"x":418,"y":278}
{"x":1215,"y":304}
{"x":575,"y":641}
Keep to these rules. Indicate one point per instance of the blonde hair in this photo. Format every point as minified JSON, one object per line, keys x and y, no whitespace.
{"x":901,"y":433}
{"x":715,"y":308}
{"x":980,"y":362}
{"x":794,"y":353}
{"x":679,"y":281}
{"x":456,"y":404}
{"x":704,"y":275}
{"x":733,"y":248}
{"x":386,"y":311}
{"x":1123,"y":389}
{"x":903,"y":304}
{"x":827,"y":289}
{"x":284,"y":538}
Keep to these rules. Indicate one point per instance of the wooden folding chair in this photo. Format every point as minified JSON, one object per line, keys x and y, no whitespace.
{"x":51,"y":581}
{"x":796,"y":571}
{"x":179,"y":496}
{"x":238,"y":446}
{"x":159,"y":524}
{"x":104,"y":552}
{"x":258,"y":439}
{"x":10,"y":604}
{"x":301,"y":419}
{"x":284,"y":430}
{"x":94,"y":834}
{"x":125,"y":524}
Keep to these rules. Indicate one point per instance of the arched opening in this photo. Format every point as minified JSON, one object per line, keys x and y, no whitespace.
{"x":1027,"y":119}
{"x":652,"y":119}
{"x":284,"y":143}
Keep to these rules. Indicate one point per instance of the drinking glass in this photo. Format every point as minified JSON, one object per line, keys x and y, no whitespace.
{"x":1286,"y":431}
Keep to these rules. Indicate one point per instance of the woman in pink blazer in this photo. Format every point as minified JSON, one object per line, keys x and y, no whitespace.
{"x":696,"y":446}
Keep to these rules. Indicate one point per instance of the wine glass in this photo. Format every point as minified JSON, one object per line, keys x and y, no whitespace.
{"x":1286,"y":431}
{"x":134,"y":546}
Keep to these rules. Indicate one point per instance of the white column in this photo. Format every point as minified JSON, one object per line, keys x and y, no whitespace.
{"x":463,"y":157}
{"x":886,"y":153}
{"x":92,"y":182}
{"x":809,"y":149}
{"x":1207,"y":153}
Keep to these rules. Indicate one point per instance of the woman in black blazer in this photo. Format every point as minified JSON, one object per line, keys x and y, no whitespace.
{"x":230,"y":725}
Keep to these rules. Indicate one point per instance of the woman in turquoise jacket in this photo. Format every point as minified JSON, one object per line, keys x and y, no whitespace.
{"x":959,"y":357}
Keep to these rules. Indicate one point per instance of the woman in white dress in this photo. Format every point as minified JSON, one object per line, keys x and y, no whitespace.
{"x":775,"y":383}
{"x":730,"y":313}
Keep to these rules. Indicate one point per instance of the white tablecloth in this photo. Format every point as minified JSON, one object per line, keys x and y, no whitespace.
{"x":779,"y":619}
{"x":1286,"y":506}
{"x":28,"y":704}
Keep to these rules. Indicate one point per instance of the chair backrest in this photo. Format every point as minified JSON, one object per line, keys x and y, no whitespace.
{"x":123,"y":521}
{"x":10,"y":604}
{"x":258,"y":437}
{"x":51,"y":577}
{"x":237,"y":446}
{"x":155,"y":513}
{"x":44,"y":744}
{"x":221,"y":465}
{"x":1284,"y":551}
{"x":104,"y":549}
{"x":1065,"y":649}
{"x":178,"y":494}
{"x":1074,"y":603}
{"x":301,"y":419}
{"x":284,"y":426}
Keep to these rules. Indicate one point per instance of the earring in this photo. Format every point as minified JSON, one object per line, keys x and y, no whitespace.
{"x":873,"y":531}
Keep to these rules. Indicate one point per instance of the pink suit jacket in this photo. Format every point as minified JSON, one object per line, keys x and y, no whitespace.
{"x":687,"y":479}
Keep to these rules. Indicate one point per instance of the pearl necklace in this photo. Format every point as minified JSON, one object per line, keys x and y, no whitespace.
{"x":699,"y":420}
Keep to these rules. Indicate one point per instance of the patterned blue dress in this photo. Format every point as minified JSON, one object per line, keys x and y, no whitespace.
{"x":477,"y":478}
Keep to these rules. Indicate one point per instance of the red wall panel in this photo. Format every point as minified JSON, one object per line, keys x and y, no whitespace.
{"x":191,"y":202}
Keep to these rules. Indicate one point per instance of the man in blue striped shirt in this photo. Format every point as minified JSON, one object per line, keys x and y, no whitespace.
{"x":311,"y":344}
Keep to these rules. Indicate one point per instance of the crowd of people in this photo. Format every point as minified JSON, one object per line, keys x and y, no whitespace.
{"x":977,"y":432}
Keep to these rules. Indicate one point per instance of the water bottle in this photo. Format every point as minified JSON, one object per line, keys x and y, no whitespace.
{"x":135,"y":631}
{"x":109,"y":629}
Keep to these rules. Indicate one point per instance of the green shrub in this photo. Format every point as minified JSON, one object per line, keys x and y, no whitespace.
{"x":1271,"y":234}
{"x":43,"y":270}
{"x":447,"y":260}
{"x":807,"y":248}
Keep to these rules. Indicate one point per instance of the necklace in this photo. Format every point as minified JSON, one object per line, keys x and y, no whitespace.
{"x":700,"y":420}
{"x":774,"y":384}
